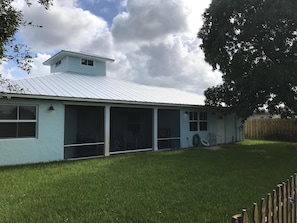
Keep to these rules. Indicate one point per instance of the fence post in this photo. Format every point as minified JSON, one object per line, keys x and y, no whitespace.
{"x":279,"y":203}
{"x":295,"y":197}
{"x":236,"y":218}
{"x":244,"y":216}
{"x":292,"y":200}
{"x":274,"y":207}
{"x":285,"y":210}
{"x":280,"y":207}
{"x":288,"y":201}
{"x":263,"y":211}
{"x":255,"y":213}
{"x":269,"y":208}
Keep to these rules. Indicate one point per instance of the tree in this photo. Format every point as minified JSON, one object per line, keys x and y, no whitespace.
{"x":254,"y":44}
{"x":11,"y":19}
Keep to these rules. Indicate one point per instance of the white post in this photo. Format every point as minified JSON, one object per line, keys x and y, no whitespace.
{"x":155,"y":129}
{"x":107,"y":130}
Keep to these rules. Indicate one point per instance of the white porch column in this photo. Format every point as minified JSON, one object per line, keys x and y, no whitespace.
{"x":107,"y":130}
{"x":155,"y":129}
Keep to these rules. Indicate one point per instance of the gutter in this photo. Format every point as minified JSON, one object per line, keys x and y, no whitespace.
{"x":93,"y":100}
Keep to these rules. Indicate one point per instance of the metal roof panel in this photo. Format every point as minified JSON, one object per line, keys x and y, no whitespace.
{"x":77,"y":86}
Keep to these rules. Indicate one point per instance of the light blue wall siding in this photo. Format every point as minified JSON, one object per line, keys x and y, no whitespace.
{"x":73,"y":64}
{"x":187,"y":135}
{"x":59,"y":67}
{"x":233,"y":129}
{"x":49,"y":144}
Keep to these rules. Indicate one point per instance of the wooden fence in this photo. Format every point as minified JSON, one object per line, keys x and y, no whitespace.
{"x":278,"y":207}
{"x":271,"y":129}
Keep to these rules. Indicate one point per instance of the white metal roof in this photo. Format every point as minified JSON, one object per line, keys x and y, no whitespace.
{"x":76,"y":87}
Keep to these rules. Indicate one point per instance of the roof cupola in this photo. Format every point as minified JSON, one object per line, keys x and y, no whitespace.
{"x":78,"y":62}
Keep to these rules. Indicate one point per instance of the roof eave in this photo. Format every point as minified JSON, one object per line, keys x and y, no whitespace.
{"x":63,"y":53}
{"x":94,"y":100}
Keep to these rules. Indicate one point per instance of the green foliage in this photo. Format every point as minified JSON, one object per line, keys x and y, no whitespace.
{"x":11,"y":19}
{"x":189,"y":185}
{"x":7,"y":86}
{"x":254,"y":44}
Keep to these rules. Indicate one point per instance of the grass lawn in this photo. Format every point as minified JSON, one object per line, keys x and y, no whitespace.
{"x":189,"y":185}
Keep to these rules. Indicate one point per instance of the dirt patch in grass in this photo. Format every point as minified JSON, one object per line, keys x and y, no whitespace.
{"x":213,"y":147}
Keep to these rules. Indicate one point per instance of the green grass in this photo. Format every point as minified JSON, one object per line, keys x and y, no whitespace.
{"x":189,"y":185}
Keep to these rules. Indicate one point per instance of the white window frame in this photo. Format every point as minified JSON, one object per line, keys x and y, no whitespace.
{"x":196,"y":119}
{"x":193,"y":121}
{"x":18,"y":120}
{"x":203,"y":119}
{"x":58,"y":63}
{"x":87,"y":62}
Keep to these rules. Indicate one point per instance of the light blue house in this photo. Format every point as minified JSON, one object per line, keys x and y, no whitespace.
{"x":76,"y":111}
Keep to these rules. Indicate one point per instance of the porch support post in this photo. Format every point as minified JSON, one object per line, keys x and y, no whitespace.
{"x":155,"y":129}
{"x":107,"y":130}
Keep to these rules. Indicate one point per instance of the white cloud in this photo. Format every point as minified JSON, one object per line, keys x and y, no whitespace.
{"x":37,"y":67}
{"x":149,"y":20}
{"x":162,"y":48}
{"x":5,"y":70}
{"x":177,"y":62}
{"x":10,"y":70}
{"x":101,"y":45}
{"x":194,"y":11}
{"x":122,"y":68}
{"x":64,"y":26}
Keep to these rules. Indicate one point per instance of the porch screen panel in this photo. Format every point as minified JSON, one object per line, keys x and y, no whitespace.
{"x":84,"y":131}
{"x":131,"y":129}
{"x":81,"y":151}
{"x":168,"y":128}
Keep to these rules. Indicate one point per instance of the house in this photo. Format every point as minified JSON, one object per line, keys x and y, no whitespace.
{"x":76,"y":111}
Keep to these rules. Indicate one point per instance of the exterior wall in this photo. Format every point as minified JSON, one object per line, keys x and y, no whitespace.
{"x":60,"y":67}
{"x":230,"y":132}
{"x":187,"y":135}
{"x":73,"y":64}
{"x":49,"y":144}
{"x":232,"y":127}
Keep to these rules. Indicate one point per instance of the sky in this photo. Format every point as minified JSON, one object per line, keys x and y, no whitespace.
{"x":153,"y":42}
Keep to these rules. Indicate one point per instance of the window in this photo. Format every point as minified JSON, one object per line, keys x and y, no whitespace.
{"x":193,"y":118}
{"x":87,"y":62}
{"x":58,"y":63}
{"x":18,"y":121}
{"x":203,"y":121}
{"x":196,"y":121}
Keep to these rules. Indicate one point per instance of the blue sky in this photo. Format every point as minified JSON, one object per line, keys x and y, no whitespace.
{"x":108,"y":9}
{"x":153,"y":42}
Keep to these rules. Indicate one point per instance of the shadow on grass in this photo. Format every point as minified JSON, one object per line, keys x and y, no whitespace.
{"x":189,"y":185}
